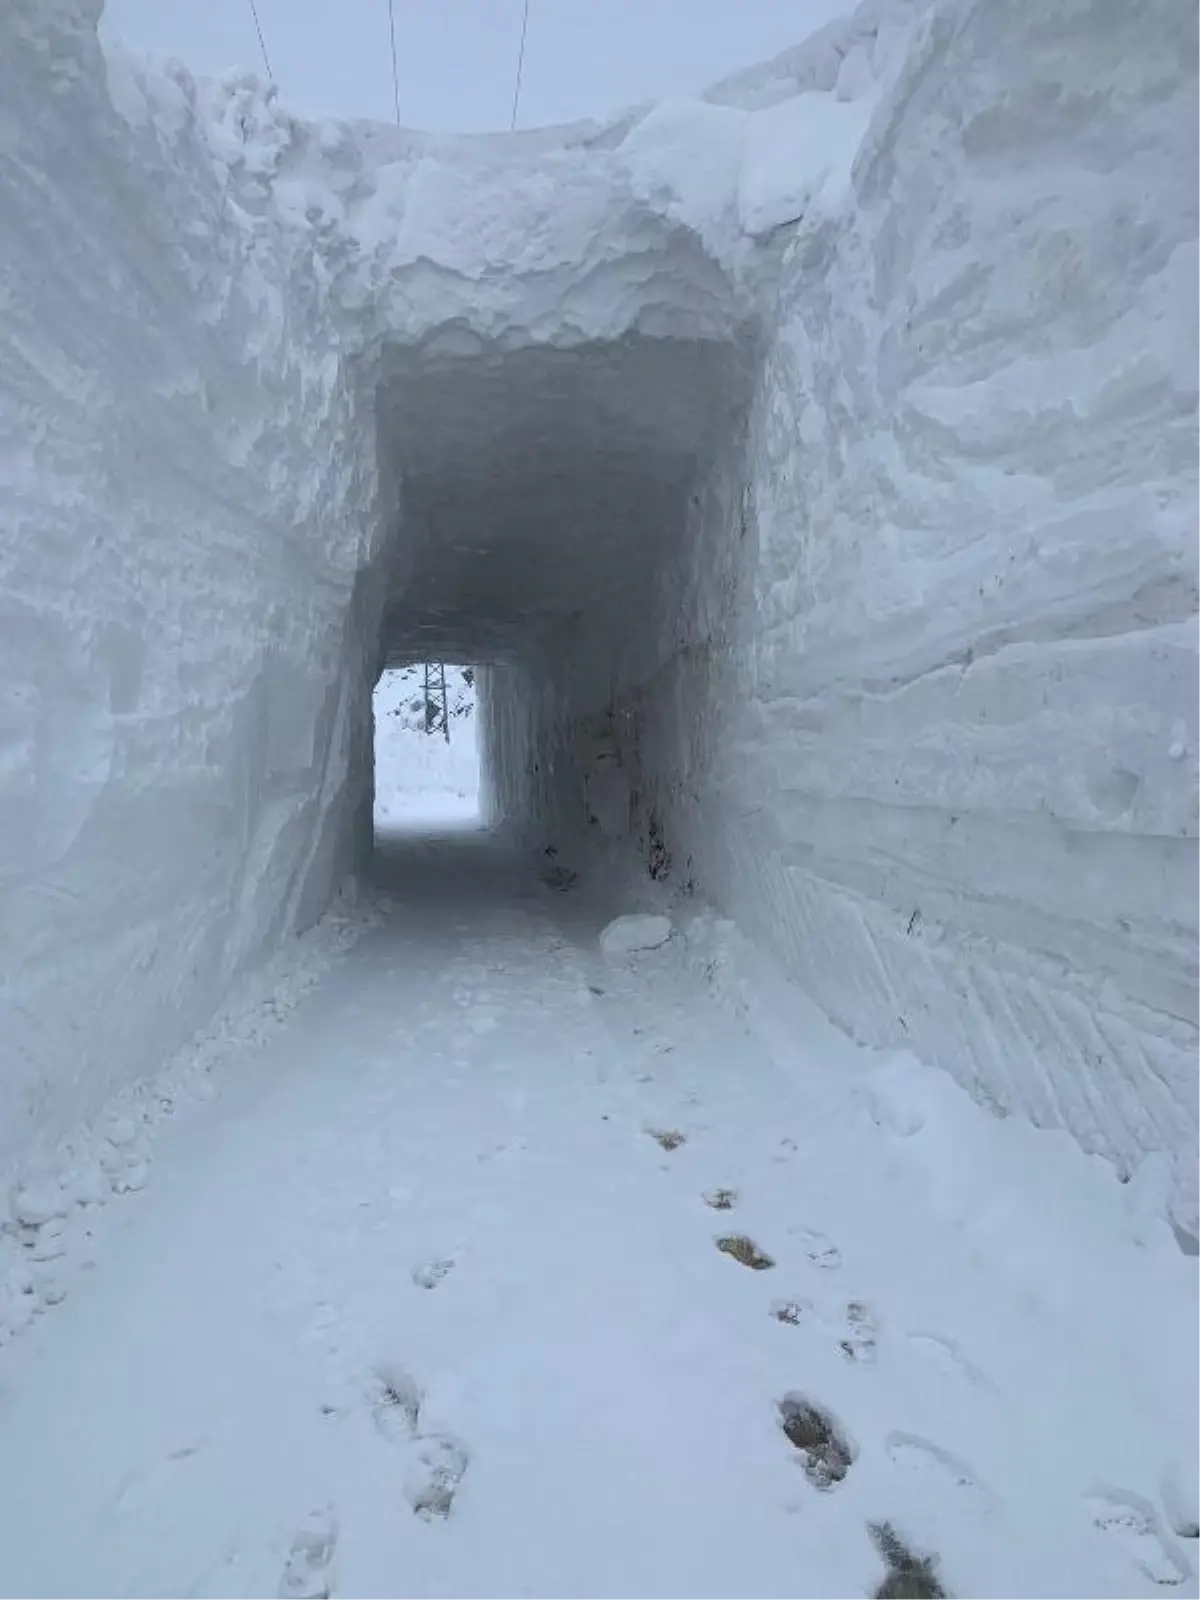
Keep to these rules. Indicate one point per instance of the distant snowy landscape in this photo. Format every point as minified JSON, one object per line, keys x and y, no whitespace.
{"x":723,"y":1122}
{"x":420,"y":776}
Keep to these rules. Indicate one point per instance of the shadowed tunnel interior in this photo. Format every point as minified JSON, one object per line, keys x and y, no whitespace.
{"x":549,"y":504}
{"x":544,"y":491}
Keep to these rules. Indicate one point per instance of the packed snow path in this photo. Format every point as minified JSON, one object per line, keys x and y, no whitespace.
{"x":431,"y":1298}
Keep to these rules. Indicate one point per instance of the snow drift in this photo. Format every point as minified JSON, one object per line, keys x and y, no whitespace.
{"x":810,"y":467}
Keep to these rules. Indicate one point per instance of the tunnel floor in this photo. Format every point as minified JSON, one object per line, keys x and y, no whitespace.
{"x":501,"y":1268}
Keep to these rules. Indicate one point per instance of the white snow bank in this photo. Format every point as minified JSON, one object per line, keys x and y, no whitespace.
{"x":182,"y":641}
{"x":946,"y":772}
{"x":797,"y":158}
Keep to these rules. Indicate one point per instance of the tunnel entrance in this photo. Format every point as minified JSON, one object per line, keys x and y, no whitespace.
{"x":426,"y":748}
{"x":568,"y":518}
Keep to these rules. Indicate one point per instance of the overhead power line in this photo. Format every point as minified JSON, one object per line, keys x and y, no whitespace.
{"x":520,"y":64}
{"x":395,"y":70}
{"x":262,"y":43}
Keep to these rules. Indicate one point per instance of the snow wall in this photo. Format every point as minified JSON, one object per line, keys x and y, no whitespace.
{"x":810,"y":469}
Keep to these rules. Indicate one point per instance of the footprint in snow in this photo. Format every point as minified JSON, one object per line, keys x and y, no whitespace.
{"x":744,"y":1250}
{"x":791,"y":1312}
{"x":861,"y":1333}
{"x":946,"y":1360}
{"x":819,"y":1248}
{"x":434,"y":1474}
{"x":934,"y":1467}
{"x":140,"y":1491}
{"x":435,"y":1462}
{"x":505,"y":1147}
{"x":308,"y":1574}
{"x":826,"y":1453}
{"x":909,"y":1576}
{"x":430,"y":1273}
{"x":396,"y":1403}
{"x":855,"y":1327}
{"x":1132,"y":1525}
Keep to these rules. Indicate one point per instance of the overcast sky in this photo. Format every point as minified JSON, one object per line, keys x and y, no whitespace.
{"x":457,"y":58}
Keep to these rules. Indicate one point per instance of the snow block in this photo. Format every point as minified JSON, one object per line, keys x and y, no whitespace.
{"x":35,"y":1204}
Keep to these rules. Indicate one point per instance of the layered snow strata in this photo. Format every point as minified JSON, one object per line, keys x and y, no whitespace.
{"x":957,"y":782}
{"x":182,"y":630}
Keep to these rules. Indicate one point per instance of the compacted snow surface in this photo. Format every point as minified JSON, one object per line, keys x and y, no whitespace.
{"x":489,"y":1270}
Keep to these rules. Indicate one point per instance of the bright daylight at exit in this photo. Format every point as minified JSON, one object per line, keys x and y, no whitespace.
{"x":598,"y":798}
{"x":426,"y":748}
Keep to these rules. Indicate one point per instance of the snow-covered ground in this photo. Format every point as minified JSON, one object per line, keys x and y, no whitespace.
{"x":422,"y":777}
{"x":500,"y":1266}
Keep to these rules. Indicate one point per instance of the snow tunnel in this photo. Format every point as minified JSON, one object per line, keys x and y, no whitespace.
{"x":552,"y":502}
{"x":808,"y":467}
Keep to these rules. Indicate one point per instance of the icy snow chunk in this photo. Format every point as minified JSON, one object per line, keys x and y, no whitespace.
{"x":309,"y":1569}
{"x":126,"y":93}
{"x":125,"y":1169}
{"x":49,"y":1242}
{"x":36,"y":1203}
{"x":683,"y":156}
{"x":625,"y":935}
{"x":50,"y":1291}
{"x":434,"y":1475}
{"x":87,"y":1184}
{"x":798,"y":156}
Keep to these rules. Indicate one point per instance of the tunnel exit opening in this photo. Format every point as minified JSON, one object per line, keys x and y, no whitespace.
{"x":426,"y":748}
